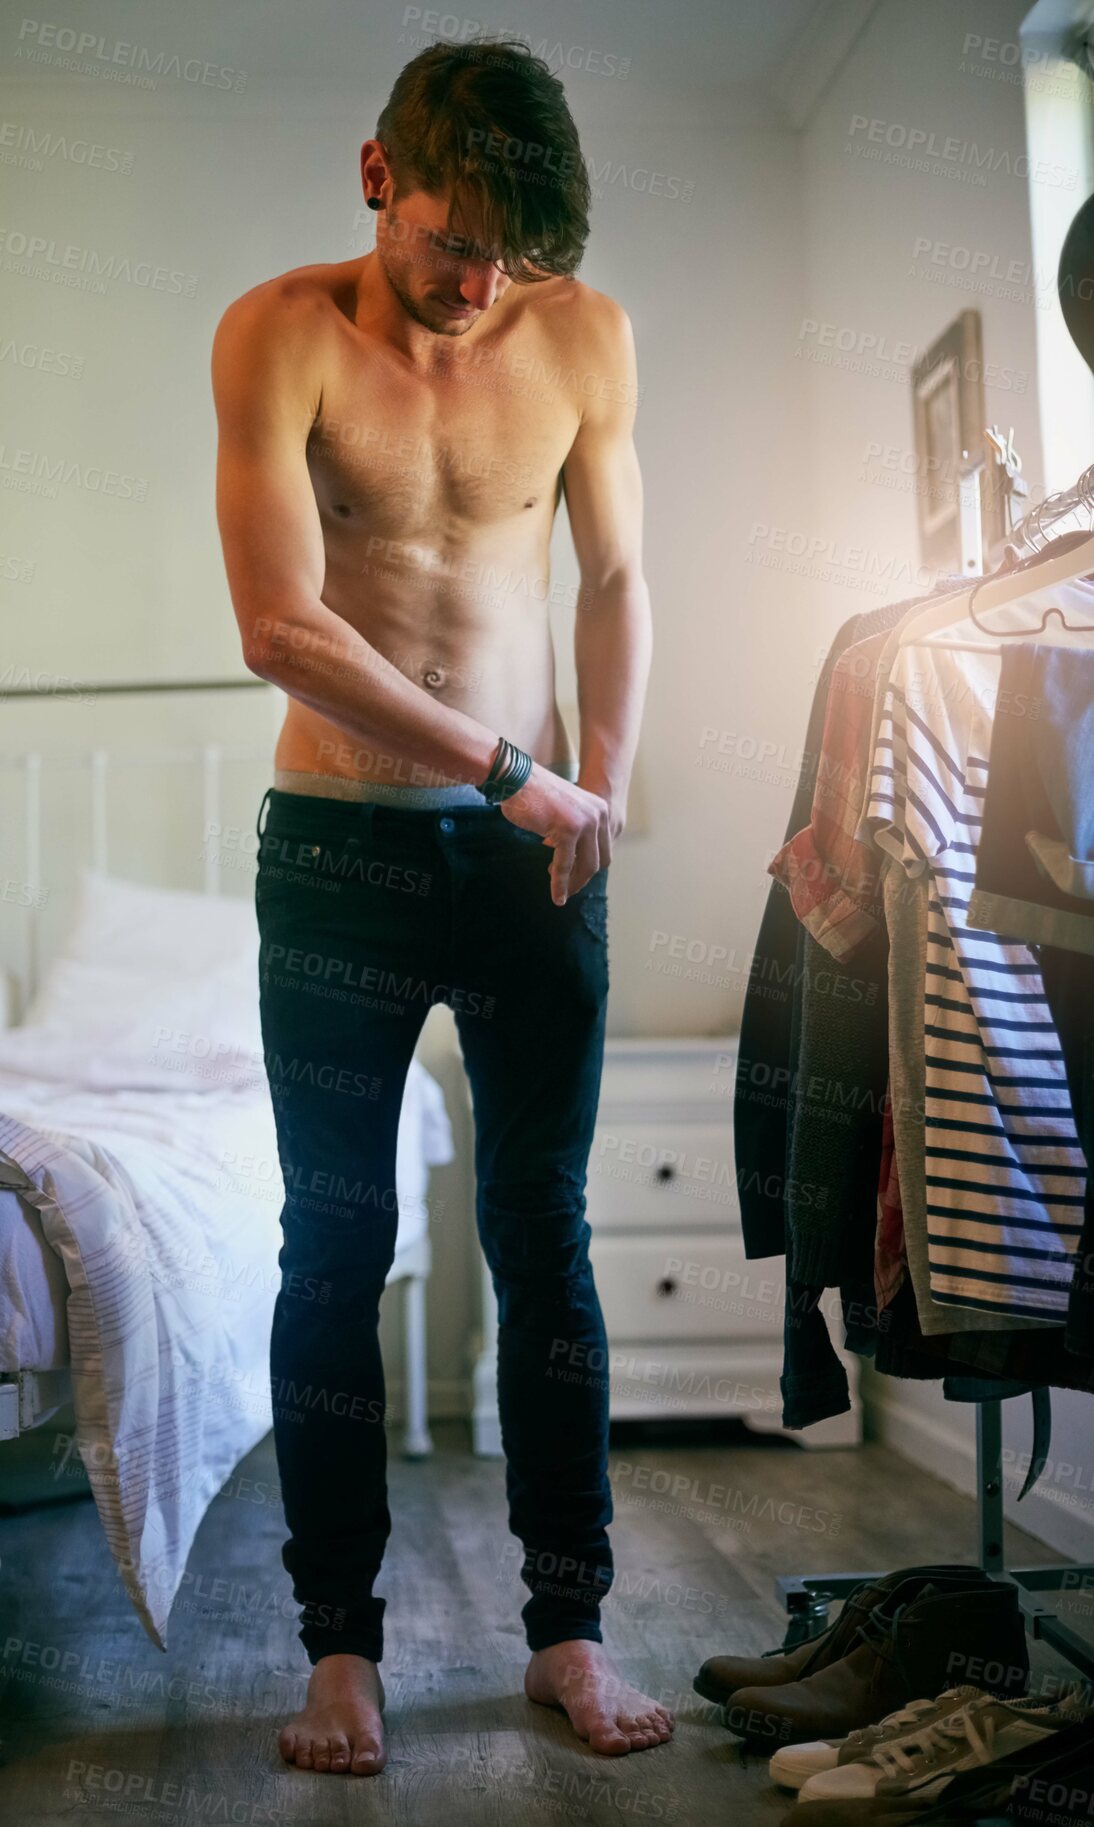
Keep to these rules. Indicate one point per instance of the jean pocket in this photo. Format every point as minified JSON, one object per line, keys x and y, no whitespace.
{"x":297,"y":853}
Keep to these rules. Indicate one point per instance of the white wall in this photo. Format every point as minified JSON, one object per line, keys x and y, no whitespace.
{"x":909,"y":69}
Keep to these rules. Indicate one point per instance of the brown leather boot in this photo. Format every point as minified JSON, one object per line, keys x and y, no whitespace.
{"x":721,"y":1676}
{"x":919,"y":1641}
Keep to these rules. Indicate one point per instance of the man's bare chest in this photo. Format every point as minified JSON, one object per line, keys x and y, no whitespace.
{"x":482,"y":443}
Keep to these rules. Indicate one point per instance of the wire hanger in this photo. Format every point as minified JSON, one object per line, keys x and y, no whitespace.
{"x":1054,"y":508}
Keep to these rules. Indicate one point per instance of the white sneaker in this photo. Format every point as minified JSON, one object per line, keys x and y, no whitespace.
{"x":922,"y":1762}
{"x":795,"y":1764}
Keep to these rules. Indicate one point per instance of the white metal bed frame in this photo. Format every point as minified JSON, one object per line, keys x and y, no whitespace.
{"x":30,"y":1397}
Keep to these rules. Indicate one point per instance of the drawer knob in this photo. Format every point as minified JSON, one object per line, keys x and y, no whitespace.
{"x":665,"y":1171}
{"x":667,"y":1287}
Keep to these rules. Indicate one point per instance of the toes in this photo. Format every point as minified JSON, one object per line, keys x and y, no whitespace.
{"x":644,"y":1730}
{"x":333,"y":1751}
{"x":606,"y":1737}
{"x":367,"y":1760}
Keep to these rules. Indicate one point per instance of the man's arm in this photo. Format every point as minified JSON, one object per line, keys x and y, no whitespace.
{"x":267,"y":392}
{"x":613,"y":634}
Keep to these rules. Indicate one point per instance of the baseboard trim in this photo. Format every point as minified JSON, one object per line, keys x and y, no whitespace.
{"x":1045,"y":1513}
{"x":447,"y":1399}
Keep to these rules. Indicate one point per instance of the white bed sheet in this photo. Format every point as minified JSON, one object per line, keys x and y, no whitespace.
{"x":33,"y":1289}
{"x":163,"y":1212}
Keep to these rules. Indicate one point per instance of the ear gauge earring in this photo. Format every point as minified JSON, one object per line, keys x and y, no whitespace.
{"x":374,"y":202}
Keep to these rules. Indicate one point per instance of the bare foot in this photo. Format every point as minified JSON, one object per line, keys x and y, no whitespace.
{"x":610,"y":1715}
{"x":340,"y":1729}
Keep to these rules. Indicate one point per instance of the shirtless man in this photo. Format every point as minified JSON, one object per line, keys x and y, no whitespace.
{"x":395,"y":433}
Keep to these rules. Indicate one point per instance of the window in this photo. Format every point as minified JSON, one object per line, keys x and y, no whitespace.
{"x":1057,"y":54}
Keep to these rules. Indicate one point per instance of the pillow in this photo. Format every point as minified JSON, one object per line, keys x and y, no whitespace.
{"x":148,"y":934}
{"x":153,"y":989}
{"x":132,"y":1034}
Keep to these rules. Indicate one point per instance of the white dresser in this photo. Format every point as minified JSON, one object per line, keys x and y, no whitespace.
{"x":694,"y":1329}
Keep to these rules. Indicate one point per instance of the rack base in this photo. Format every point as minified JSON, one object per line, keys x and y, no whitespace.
{"x":806,"y":1596}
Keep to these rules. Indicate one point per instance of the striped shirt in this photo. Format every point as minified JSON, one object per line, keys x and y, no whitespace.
{"x":1004,"y":1173}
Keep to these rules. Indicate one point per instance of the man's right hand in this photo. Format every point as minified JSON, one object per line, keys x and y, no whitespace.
{"x":575,"y":824}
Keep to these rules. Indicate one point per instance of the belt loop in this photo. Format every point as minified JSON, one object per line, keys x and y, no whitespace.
{"x":261,"y":810}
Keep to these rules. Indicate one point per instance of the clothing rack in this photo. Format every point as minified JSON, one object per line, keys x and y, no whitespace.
{"x":1026,"y":533}
{"x":806,"y":1597}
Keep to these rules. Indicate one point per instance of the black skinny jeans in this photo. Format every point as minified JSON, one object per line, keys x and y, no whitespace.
{"x":369,"y":913}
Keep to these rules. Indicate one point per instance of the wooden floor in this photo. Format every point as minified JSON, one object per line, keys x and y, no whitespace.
{"x":95,"y":1720}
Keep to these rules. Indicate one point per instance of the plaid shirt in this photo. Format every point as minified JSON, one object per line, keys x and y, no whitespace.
{"x":832,"y":879}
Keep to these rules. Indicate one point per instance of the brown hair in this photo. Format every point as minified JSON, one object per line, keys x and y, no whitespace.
{"x":487,"y":122}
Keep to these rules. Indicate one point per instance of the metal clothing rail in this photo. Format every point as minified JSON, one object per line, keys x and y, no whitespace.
{"x":1029,"y":532}
{"x":806,"y":1597}
{"x":1003,"y":464}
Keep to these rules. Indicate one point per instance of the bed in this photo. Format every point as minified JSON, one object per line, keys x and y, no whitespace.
{"x":140,"y":1196}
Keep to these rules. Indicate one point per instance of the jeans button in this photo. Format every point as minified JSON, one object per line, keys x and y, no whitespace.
{"x":448,"y":824}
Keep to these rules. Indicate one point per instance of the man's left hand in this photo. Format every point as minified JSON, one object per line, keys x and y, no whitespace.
{"x":616,"y":803}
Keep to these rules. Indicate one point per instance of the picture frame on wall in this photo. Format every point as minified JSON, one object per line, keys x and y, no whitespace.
{"x":950,"y":418}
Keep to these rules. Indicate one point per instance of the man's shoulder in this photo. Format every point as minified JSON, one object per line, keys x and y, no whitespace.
{"x":590,"y":336}
{"x":305,"y":292}
{"x":581,"y":309}
{"x":588,"y":326}
{"x":271,"y":342}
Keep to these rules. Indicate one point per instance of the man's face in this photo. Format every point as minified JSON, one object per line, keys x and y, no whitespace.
{"x":444,"y":282}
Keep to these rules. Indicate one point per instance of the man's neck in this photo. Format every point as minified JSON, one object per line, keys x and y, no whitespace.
{"x":381,"y":314}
